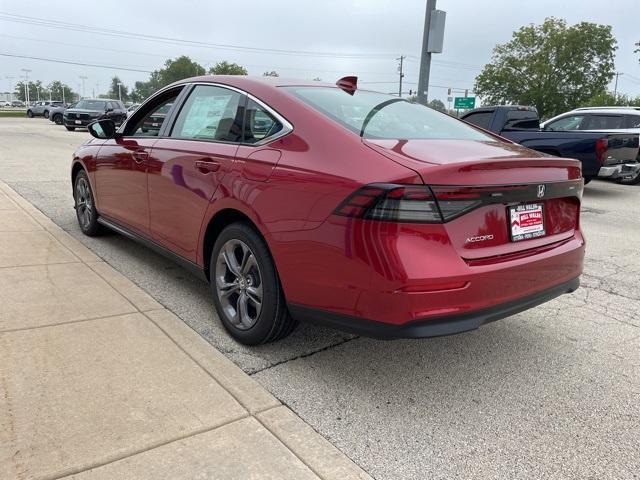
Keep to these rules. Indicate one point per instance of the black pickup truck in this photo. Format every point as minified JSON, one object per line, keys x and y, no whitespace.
{"x":594,"y":149}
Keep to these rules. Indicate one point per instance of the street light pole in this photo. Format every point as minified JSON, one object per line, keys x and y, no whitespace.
{"x":425,"y":59}
{"x":83,"y":78}
{"x":119,"y":91}
{"x":26,"y":76}
{"x":10,"y":78}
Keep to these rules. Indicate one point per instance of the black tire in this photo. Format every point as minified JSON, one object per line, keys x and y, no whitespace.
{"x":46,"y":114}
{"x":29,"y":114}
{"x":85,"y":206}
{"x":587,"y":179}
{"x":57,"y":119}
{"x":71,"y":129}
{"x":634,"y":180}
{"x":273,"y":321}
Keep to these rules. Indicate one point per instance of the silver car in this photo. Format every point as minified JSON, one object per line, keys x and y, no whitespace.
{"x":42,"y":108}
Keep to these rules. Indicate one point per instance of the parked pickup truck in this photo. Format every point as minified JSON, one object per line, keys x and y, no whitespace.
{"x":598,"y":151}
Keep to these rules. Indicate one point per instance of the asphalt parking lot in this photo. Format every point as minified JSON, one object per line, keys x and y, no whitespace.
{"x":553,"y":392}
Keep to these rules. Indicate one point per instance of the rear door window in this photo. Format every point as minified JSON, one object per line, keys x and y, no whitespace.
{"x":480,"y":119}
{"x":259,"y":124}
{"x":522,"y":120}
{"x":604,"y":122}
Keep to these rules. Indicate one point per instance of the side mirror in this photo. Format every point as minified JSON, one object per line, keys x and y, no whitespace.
{"x":103,"y":129}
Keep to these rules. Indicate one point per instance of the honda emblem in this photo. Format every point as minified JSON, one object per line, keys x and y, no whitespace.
{"x":541,"y":189}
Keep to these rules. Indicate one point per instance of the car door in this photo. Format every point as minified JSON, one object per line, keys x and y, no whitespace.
{"x":121,"y":169}
{"x":188,"y":165}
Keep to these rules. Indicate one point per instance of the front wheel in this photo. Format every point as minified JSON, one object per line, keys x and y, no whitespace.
{"x":85,"y":205}
{"x":71,"y":129}
{"x":29,"y":114}
{"x":246,"y":289}
{"x":57,"y":119}
{"x":46,"y":114}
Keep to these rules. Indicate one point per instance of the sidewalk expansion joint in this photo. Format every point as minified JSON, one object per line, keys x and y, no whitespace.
{"x":116,"y":458}
{"x":70,"y":322}
{"x":305,"y":355}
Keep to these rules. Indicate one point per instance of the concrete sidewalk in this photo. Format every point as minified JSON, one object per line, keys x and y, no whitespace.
{"x":99,"y":381}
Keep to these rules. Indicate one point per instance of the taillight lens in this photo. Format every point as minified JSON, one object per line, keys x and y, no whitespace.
{"x":601,"y":150}
{"x":392,"y":203}
{"x":406,"y":203}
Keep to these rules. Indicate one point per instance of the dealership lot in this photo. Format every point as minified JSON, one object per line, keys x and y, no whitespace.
{"x":552,"y":392}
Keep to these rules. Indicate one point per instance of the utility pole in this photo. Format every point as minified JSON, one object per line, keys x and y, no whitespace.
{"x":83,"y":78}
{"x":26,"y":76}
{"x":432,"y":40}
{"x":615,"y":89}
{"x":402,"y":57}
{"x":119,"y":91}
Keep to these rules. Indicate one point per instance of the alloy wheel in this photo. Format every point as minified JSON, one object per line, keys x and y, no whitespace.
{"x":84,"y":205}
{"x":239,"y":284}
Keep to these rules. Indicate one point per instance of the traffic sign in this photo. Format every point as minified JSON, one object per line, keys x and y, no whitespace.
{"x":464,"y":103}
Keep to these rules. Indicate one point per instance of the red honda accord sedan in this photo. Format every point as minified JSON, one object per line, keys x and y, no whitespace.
{"x":328,"y":203}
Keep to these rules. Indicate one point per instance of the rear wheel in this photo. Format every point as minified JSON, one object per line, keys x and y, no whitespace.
{"x":632,"y":180}
{"x":246,"y":289}
{"x":71,"y":129}
{"x":85,"y":205}
{"x":587,"y":179}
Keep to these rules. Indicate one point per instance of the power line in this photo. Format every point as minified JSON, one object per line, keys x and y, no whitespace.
{"x":75,"y":63}
{"x":8,"y":17}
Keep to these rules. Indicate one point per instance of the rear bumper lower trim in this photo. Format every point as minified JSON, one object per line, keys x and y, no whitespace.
{"x":432,"y":327}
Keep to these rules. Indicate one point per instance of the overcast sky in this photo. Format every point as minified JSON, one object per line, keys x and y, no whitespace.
{"x":369,"y":34}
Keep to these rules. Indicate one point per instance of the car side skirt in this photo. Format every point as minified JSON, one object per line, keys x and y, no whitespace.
{"x":432,"y":327}
{"x":191,"y":267}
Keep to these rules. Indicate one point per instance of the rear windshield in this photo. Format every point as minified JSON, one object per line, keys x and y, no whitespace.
{"x":376,"y":115}
{"x":91,"y":105}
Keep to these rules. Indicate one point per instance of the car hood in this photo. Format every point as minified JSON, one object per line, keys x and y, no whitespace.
{"x":82,"y":110}
{"x":453,"y":162}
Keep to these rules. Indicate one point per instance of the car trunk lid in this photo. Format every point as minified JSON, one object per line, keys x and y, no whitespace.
{"x":498,"y":199}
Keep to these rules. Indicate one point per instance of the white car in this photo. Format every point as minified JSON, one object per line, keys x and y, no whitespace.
{"x":603,"y":119}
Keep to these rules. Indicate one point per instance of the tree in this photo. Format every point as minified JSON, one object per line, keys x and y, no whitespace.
{"x":607,"y":99}
{"x":551,"y":66}
{"x":118,"y":92}
{"x":35,"y":89}
{"x":272,"y":73}
{"x":437,"y":105}
{"x":174,"y":70}
{"x":226,"y":68}
{"x":60,"y":91}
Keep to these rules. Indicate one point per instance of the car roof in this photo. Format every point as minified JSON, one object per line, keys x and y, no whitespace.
{"x":244,"y":81}
{"x":628,"y":107}
{"x":609,"y":110}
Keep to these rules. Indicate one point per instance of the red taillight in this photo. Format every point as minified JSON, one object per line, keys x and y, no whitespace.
{"x":407,"y":203}
{"x":392,"y":203}
{"x":601,"y":150}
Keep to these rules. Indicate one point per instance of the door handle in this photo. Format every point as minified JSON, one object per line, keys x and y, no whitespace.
{"x":140,"y":156}
{"x":207,"y":166}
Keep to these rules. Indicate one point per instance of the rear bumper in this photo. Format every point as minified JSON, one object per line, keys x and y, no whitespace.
{"x":432,"y":327}
{"x":619,"y":171}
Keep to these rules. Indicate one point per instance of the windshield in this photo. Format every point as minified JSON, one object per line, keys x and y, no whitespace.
{"x":376,"y":115}
{"x":91,"y":105}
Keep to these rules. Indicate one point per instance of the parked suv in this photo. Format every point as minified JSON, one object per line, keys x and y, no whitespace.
{"x":602,"y":119}
{"x":90,"y":110}
{"x":42,"y":108}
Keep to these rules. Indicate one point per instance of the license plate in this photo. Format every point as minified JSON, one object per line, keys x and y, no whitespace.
{"x":527,"y":222}
{"x":78,"y":122}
